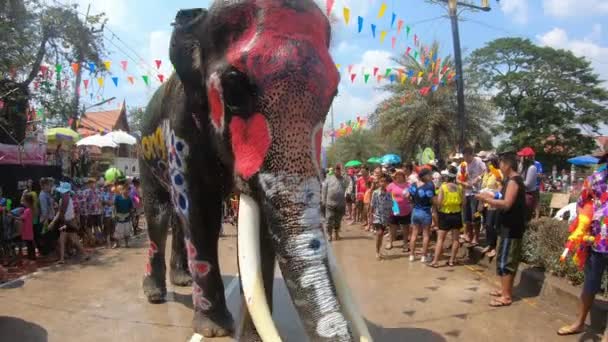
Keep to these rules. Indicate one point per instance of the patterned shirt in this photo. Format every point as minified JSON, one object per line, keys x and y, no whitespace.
{"x":108,"y":203}
{"x":382,"y":207}
{"x":93,"y":202}
{"x":79,"y":202}
{"x":595,"y":188}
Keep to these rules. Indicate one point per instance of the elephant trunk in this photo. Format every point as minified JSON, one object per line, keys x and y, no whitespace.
{"x":292,"y":206}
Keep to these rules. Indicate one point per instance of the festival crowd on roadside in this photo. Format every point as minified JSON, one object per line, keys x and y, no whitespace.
{"x":62,"y":218}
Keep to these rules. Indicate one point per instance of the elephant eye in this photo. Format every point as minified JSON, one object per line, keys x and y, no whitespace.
{"x":239,"y":92}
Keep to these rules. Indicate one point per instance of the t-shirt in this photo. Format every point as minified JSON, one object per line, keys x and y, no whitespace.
{"x":382,"y":206}
{"x":107,"y":197}
{"x":93,"y":202}
{"x":27,"y":228}
{"x":475,"y":169}
{"x":422,"y":196}
{"x":396,"y":190}
{"x":361,"y":187}
{"x":123,"y":208}
{"x":46,"y":206}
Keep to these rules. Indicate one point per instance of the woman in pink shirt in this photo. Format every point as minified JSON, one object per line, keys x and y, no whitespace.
{"x":401,"y":208}
{"x":27,"y":226}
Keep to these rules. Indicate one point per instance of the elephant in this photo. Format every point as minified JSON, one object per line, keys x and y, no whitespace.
{"x":244,"y":111}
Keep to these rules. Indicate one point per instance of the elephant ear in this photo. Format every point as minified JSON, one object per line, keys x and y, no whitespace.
{"x":185,"y":51}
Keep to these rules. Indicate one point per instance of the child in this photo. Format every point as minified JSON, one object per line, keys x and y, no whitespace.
{"x":381,"y":207}
{"x":123,"y":208}
{"x":367,"y":199}
{"x":27,"y":226}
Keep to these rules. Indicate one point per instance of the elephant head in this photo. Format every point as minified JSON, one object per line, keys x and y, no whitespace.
{"x":258,"y":75}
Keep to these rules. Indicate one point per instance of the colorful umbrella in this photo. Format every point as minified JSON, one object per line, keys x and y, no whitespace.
{"x":353,"y":163}
{"x":374,"y":160}
{"x":121,"y":137}
{"x":113,"y":174}
{"x":97,"y":140}
{"x":583,"y":160}
{"x":391,"y":159}
{"x":62,"y":133}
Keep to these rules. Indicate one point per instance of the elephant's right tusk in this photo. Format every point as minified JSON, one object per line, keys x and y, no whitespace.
{"x":251,"y":270}
{"x":351,"y":312}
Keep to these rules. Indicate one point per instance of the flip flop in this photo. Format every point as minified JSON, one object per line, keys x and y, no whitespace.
{"x":435,"y":265}
{"x":388,"y":247}
{"x":567,"y":330}
{"x":496,"y":293}
{"x":496,"y":303}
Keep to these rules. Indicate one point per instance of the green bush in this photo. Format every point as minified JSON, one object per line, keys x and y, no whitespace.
{"x":544,"y":243}
{"x":544,"y":203}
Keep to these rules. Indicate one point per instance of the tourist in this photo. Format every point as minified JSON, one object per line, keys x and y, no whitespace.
{"x":65,"y":222}
{"x":333,"y":201}
{"x":108,"y":197}
{"x":511,"y":203}
{"x":367,"y":200}
{"x":529,"y":172}
{"x":402,"y":209}
{"x":29,"y":190}
{"x":470,"y":173}
{"x":25,"y":218}
{"x":381,"y":207}
{"x":123,"y":209}
{"x":94,"y":212}
{"x":596,"y":192}
{"x":47,"y":213}
{"x":491,"y":181}
{"x":410,"y":175}
{"x":421,"y":193}
{"x":350,"y":193}
{"x":361,"y":187}
{"x":449,"y":207}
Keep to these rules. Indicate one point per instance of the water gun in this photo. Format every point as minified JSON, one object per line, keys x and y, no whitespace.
{"x":463,"y":175}
{"x":580,"y":235}
{"x":496,"y":172}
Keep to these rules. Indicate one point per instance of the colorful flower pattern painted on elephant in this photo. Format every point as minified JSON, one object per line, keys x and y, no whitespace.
{"x":178,"y":151}
{"x":199,"y":270}
{"x":152,"y":251}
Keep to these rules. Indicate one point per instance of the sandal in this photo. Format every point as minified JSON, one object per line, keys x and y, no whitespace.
{"x":388,"y":246}
{"x":568,"y":330}
{"x":496,"y":293}
{"x":498,"y":303}
{"x":434,"y":265}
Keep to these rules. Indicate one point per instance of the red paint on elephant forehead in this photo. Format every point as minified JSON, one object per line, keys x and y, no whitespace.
{"x":216,"y":105}
{"x":250,"y":143}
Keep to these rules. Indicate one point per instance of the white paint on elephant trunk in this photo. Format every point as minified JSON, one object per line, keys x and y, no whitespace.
{"x":250,"y":260}
{"x":316,"y":142}
{"x":346,"y":299}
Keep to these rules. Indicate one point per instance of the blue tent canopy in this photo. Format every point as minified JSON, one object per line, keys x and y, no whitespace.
{"x":391,"y":159}
{"x":583,"y":160}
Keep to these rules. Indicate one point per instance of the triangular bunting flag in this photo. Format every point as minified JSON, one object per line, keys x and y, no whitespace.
{"x":403,"y":79}
{"x":382,"y":10}
{"x":91,"y":67}
{"x":330,"y":6}
{"x":416,"y":40}
{"x":145,"y":78}
{"x":374,"y":30}
{"x":399,"y":26}
{"x":346,"y":15}
{"x":388,"y":72}
{"x":394,"y":41}
{"x":124,"y":65}
{"x":161,"y":78}
{"x":375,"y":71}
{"x":107,"y":64}
{"x":158,"y":63}
{"x":392,"y":78}
{"x":407,"y":51}
{"x":86,"y":84}
{"x":393,"y":19}
{"x":100,"y":81}
{"x":350,"y":68}
{"x":352,"y":77}
{"x":407,"y":31}
{"x":131,"y":79}
{"x":360,"y":20}
{"x":415,"y":54}
{"x":338,"y":66}
{"x":44,"y":69}
{"x":75,"y":67}
{"x":420,"y":74}
{"x":379,"y":77}
{"x":366,"y":78}
{"x":58,"y":68}
{"x":382,"y":36}
{"x":115,"y":80}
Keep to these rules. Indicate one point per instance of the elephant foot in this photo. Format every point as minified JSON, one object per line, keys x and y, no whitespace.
{"x":155,"y":292}
{"x":180,"y":277}
{"x":213,"y":324}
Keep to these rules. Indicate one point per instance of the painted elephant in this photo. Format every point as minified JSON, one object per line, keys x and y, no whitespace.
{"x":245,"y":110}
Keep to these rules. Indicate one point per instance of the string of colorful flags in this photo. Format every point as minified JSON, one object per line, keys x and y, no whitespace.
{"x":347,"y":128}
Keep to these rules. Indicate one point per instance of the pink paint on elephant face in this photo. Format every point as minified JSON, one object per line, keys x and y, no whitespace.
{"x":148,"y":269}
{"x":190,"y":249}
{"x":250,"y":143}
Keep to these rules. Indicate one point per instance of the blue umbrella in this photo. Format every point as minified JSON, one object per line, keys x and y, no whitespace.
{"x":391,"y":159}
{"x":583,"y":160}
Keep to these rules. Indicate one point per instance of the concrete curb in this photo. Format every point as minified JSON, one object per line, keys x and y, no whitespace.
{"x":551,"y":291}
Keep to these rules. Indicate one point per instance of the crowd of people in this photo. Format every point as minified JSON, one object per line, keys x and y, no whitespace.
{"x":63,"y":218}
{"x":498,"y":192}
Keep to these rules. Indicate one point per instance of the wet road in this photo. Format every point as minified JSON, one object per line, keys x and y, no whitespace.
{"x":102,"y":300}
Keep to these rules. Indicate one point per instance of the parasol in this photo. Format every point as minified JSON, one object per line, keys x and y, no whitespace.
{"x":583,"y":160}
{"x":62,"y":134}
{"x":391,"y":159}
{"x":97,"y":140}
{"x":121,"y":137}
{"x":352,"y":163}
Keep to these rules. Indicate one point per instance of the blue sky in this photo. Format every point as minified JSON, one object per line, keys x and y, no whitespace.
{"x":143,"y":30}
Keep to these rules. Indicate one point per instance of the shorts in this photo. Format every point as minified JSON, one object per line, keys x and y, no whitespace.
{"x":422,"y":217}
{"x":509,"y":256}
{"x":108,"y":226}
{"x":93,"y":221}
{"x":470,"y":209}
{"x":359,"y":204}
{"x":334,"y":218}
{"x":400,"y":220}
{"x":450,"y":221}
{"x":379,"y":227}
{"x":594,"y":270}
{"x":123,"y":230}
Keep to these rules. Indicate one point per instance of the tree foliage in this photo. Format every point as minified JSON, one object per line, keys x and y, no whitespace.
{"x":360,"y":145}
{"x":135,"y":117}
{"x":410,"y":120}
{"x":550,"y":99}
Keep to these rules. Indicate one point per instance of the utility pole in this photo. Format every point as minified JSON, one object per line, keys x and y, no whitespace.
{"x":453,"y":11}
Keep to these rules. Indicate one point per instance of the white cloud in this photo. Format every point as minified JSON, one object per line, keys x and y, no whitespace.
{"x":571,"y":8}
{"x":586,"y":47}
{"x":518,"y":9}
{"x":116,"y":11}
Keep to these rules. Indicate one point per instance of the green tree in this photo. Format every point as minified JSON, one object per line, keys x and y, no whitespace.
{"x":135,"y":116}
{"x":359,"y":145}
{"x":550,"y":99}
{"x":423,"y":113}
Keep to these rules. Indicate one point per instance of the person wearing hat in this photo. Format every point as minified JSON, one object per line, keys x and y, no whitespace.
{"x":65,"y":221}
{"x":511,"y":204}
{"x":470,"y":174}
{"x":595,"y":190}
{"x":529,"y":172}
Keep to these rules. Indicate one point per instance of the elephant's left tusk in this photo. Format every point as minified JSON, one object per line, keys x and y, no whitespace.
{"x":349,"y":307}
{"x":251,"y":269}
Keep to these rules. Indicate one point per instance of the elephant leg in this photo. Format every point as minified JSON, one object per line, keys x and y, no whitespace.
{"x":158,"y":210}
{"x":246,"y":330}
{"x":211,"y":316}
{"x":179,"y":273}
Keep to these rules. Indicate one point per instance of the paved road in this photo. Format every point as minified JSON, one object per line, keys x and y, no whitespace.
{"x":102,"y":300}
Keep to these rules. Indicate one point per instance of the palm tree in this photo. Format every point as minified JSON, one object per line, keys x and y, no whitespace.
{"x":422,"y":112}
{"x":360,"y":145}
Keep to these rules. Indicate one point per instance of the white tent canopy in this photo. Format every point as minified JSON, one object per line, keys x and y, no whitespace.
{"x":121,"y":137}
{"x":97,"y":140}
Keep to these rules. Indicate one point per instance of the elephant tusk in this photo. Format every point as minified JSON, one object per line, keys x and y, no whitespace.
{"x":251,"y":269}
{"x":345,"y":297}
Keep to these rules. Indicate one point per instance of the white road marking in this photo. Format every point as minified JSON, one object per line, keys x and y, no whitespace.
{"x":227,"y":293}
